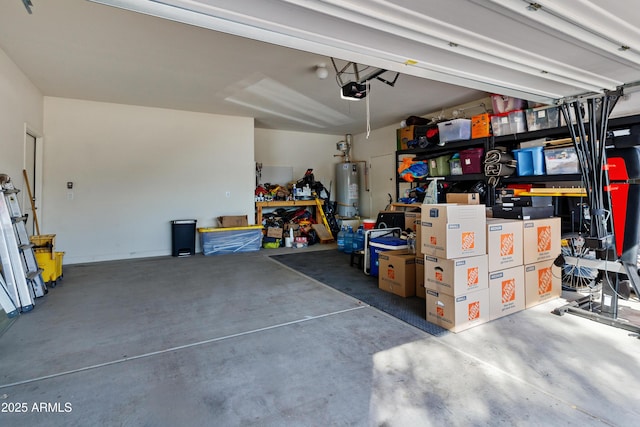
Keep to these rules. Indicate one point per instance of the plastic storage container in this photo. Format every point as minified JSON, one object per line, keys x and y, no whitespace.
{"x":183,"y":237}
{"x":559,"y":161}
{"x":219,"y":241}
{"x":471,"y":160}
{"x":517,"y":121}
{"x":542,"y":118}
{"x":439,"y":166}
{"x":481,"y":126}
{"x":368,"y":224}
{"x":455,"y":166}
{"x":504,"y":104}
{"x":382,"y":244}
{"x":455,"y":130}
{"x":530,"y":161}
{"x":500,"y":124}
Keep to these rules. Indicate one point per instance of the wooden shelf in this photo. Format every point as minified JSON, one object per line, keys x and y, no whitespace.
{"x":449,"y":178}
{"x":405,"y":206}
{"x":287,"y":204}
{"x":542,"y":178}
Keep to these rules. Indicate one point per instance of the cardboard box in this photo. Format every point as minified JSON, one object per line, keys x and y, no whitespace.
{"x":275,"y":232}
{"x":453,"y":230}
{"x":464,"y":198}
{"x":404,"y":135}
{"x":506,"y":292}
{"x":400,"y":144}
{"x":233,"y":221}
{"x":541,"y":240}
{"x":412,"y":220}
{"x":397,"y":273}
{"x":504,"y":243}
{"x":420,"y":290}
{"x":457,"y":313}
{"x":456,"y":276}
{"x":542,"y":282}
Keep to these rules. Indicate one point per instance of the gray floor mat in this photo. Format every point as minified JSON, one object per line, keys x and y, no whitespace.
{"x":332,"y":268}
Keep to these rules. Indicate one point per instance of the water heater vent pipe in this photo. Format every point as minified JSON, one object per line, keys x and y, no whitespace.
{"x":345,"y":147}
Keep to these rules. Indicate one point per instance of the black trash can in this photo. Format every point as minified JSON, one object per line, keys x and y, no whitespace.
{"x":183,"y":237}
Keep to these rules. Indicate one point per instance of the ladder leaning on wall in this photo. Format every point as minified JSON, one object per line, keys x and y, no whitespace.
{"x":22,"y":279}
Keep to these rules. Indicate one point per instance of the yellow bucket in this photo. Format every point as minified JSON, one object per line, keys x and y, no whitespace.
{"x":59,"y":256}
{"x":48,"y":266}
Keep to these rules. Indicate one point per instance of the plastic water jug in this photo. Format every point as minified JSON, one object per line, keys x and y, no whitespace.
{"x":341,"y":235}
{"x":358,"y":240}
{"x":348,"y":240}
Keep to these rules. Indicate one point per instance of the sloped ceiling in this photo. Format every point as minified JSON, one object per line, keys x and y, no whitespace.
{"x":257,"y":57}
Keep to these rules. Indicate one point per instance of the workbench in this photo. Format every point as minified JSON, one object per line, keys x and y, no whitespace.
{"x":288,"y":204}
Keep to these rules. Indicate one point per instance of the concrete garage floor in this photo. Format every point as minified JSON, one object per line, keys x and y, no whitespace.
{"x":240,"y":340}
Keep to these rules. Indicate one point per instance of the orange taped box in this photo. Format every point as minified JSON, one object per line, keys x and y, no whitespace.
{"x":542,"y":283}
{"x":541,"y":240}
{"x":504,"y":243}
{"x":460,"y":312}
{"x":506,"y":292}
{"x":456,"y":276}
{"x":452,"y":230}
{"x":397,"y":272}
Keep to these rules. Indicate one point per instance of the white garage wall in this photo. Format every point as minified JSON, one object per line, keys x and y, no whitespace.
{"x":20,"y":105}
{"x":380,"y":142}
{"x":299,"y":150}
{"x":134,"y":169}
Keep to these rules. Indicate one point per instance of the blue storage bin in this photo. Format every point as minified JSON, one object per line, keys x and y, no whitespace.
{"x":383,"y":244}
{"x":530,"y":161}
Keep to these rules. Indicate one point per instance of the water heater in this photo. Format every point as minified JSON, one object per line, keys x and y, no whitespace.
{"x":347,"y":189}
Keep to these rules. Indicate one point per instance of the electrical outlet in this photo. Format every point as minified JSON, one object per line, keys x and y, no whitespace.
{"x":228,"y":194}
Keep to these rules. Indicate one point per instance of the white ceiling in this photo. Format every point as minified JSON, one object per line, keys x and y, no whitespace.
{"x":200,"y":59}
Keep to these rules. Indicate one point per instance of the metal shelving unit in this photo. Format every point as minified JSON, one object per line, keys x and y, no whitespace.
{"x":508,"y":142}
{"x":441,"y":150}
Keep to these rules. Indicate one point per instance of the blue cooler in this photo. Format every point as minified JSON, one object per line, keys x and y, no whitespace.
{"x":383,"y":244}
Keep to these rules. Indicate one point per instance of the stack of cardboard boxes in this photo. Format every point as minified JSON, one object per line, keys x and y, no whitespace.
{"x":472,"y":269}
{"x":541,"y":240}
{"x":400,"y":271}
{"x":455,"y":265}
{"x":506,"y":270}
